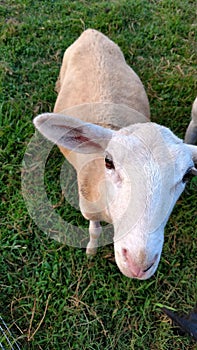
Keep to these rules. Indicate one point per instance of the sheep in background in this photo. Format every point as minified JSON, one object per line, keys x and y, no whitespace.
{"x":191,"y":133}
{"x":130,"y":171}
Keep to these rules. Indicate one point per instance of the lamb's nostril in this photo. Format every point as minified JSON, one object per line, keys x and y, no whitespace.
{"x":124,"y":252}
{"x":126,"y":255}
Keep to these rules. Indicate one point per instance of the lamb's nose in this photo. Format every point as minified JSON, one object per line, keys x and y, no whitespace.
{"x":136,"y":269}
{"x":133,"y":267}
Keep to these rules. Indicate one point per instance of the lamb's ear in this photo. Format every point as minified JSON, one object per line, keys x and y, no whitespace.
{"x":72,"y":133}
{"x":194,"y":153}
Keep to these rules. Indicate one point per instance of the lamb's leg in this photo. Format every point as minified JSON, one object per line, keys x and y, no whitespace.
{"x":191,"y":133}
{"x":95,"y":230}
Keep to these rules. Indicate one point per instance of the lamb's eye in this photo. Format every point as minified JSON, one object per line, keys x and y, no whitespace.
{"x":109,"y":164}
{"x":188,"y":175}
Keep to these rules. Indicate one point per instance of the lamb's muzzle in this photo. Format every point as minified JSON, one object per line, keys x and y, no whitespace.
{"x":133,"y":269}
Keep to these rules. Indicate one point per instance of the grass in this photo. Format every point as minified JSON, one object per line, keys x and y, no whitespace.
{"x":51,"y":295}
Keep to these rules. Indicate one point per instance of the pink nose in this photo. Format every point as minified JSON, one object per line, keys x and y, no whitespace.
{"x":136,"y":270}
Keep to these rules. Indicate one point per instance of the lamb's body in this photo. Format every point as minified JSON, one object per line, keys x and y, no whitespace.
{"x":130,"y":171}
{"x":89,"y":67}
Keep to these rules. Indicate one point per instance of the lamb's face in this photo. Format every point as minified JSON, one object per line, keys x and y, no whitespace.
{"x":145,"y":175}
{"x":146,"y":170}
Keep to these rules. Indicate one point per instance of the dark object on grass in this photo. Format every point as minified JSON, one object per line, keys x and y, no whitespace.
{"x":188,"y":323}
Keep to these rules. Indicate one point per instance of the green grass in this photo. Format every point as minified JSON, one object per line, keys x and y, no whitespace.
{"x":51,"y":296}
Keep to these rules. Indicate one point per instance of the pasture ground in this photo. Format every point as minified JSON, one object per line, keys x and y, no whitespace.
{"x":51,"y":296}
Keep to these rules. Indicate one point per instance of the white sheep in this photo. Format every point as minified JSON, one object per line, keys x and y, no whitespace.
{"x":191,"y":133}
{"x":130,"y":171}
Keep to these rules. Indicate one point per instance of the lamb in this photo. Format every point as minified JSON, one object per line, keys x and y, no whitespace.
{"x":130,"y":171}
{"x":191,"y":133}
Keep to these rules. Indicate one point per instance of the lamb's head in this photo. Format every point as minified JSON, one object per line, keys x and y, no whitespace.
{"x":146,"y":169}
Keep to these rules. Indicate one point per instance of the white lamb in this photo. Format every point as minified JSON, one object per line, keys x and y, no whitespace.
{"x":130,"y":171}
{"x":191,"y":133}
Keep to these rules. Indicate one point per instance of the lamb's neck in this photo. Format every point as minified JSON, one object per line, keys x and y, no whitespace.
{"x":92,"y":190}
